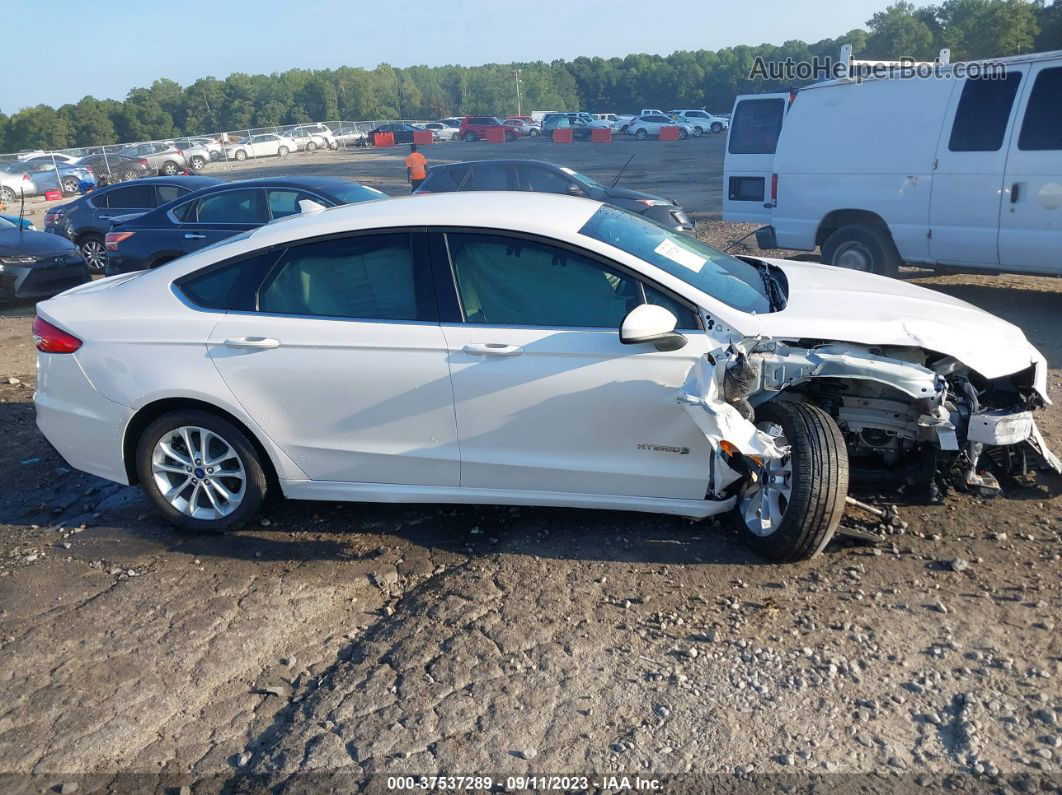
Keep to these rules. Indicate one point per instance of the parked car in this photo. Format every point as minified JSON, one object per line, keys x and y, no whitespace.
{"x":523,"y":127}
{"x":453,"y":121}
{"x":321,"y":135}
{"x":209,"y":215}
{"x":58,"y":176}
{"x":212,"y":145}
{"x":614,"y":121}
{"x":474,"y":128}
{"x":162,"y":158}
{"x":86,"y":221}
{"x":112,"y":168}
{"x":701,"y":120}
{"x":36,"y":265}
{"x":16,"y":221}
{"x":48,"y":157}
{"x":952,"y":172}
{"x":261,"y":145}
{"x":15,"y":183}
{"x":403,"y":133}
{"x":542,"y":177}
{"x":553,"y":121}
{"x":442,"y":132}
{"x":524,"y":349}
{"x":350,"y":135}
{"x":649,"y":126}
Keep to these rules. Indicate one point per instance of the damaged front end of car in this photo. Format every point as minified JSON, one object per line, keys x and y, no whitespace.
{"x":910,"y":418}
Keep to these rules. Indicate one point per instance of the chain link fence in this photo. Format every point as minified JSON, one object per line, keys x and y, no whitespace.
{"x":53,"y":174}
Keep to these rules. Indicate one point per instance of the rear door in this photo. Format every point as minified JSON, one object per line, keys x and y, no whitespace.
{"x":124,"y":200}
{"x":219,"y":216}
{"x":1030,"y":216}
{"x":749,"y":161}
{"x":965,"y":199}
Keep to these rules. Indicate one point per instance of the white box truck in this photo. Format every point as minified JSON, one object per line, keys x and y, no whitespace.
{"x":949,"y":171}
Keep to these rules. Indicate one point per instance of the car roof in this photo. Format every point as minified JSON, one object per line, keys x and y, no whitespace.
{"x":503,"y":161}
{"x":191,"y":181}
{"x":542,"y":213}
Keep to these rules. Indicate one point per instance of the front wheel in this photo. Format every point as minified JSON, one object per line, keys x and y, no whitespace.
{"x":198,"y":163}
{"x":789,"y":509}
{"x":7,"y":196}
{"x":532,"y":133}
{"x":717,"y":127}
{"x":862,"y":248}
{"x":683,"y":135}
{"x":71,"y":185}
{"x":94,"y":253}
{"x":200,"y":471}
{"x":170,"y":169}
{"x":641,"y":135}
{"x":311,"y":147}
{"x":282,"y":151}
{"x":241,"y":155}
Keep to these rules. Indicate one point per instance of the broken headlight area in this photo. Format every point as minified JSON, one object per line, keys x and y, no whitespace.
{"x":908,"y":419}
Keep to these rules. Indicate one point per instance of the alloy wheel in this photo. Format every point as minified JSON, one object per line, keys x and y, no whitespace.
{"x":95,"y":254}
{"x":198,"y":472}
{"x":763,"y":503}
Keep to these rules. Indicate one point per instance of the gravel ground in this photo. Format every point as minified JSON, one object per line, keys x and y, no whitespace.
{"x":334,"y":645}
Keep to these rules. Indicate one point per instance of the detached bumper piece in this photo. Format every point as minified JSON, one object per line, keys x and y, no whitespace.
{"x":1003,"y":429}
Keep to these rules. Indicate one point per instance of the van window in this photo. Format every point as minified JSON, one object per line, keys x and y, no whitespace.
{"x":981,"y":118}
{"x":755,"y":128}
{"x":1042,"y":127}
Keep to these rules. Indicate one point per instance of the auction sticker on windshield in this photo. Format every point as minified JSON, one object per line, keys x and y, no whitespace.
{"x":683,"y":256}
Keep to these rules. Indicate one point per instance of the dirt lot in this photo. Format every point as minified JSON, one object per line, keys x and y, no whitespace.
{"x":334,"y":645}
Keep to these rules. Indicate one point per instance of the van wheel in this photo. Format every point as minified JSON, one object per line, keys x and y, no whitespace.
{"x":862,"y":248}
{"x":792,"y":510}
{"x":200,"y":471}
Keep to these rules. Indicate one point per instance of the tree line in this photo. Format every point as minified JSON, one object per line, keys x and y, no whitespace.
{"x":699,"y":78}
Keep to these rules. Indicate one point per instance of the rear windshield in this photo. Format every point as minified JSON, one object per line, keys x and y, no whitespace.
{"x":755,"y":126}
{"x":732,"y":281}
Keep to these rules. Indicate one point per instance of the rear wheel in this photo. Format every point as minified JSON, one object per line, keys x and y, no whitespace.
{"x":170,"y":169}
{"x":311,"y":147}
{"x":7,"y":195}
{"x":862,"y":248}
{"x":198,"y":163}
{"x":200,"y":471}
{"x":71,"y":185}
{"x":532,"y":133}
{"x":283,"y":151}
{"x":241,"y":154}
{"x":94,"y":252}
{"x":717,"y":127}
{"x":470,"y":136}
{"x":793,"y":506}
{"x":641,"y":135}
{"x":683,"y":134}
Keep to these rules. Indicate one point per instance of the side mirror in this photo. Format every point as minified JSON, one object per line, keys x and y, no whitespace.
{"x":651,"y":323}
{"x":573,"y":190}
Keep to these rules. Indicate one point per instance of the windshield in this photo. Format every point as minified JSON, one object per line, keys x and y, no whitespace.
{"x":732,"y":281}
{"x":593,"y":183}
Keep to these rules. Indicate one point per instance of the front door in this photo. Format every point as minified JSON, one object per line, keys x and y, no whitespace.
{"x":546,"y":397}
{"x":343,"y":364}
{"x":968,"y":178}
{"x":1030,"y":217}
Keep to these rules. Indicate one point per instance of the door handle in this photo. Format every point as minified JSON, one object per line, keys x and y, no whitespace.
{"x":1015,"y":192}
{"x":492,"y":349}
{"x":193,"y":236}
{"x":252,"y":342}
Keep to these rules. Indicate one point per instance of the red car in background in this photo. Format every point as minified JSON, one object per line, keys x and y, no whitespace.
{"x":474,"y":128}
{"x":522,"y":127}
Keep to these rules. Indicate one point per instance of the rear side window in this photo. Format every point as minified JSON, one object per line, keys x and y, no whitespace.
{"x":231,"y":286}
{"x":981,"y":118}
{"x":755,"y":127}
{"x":459,"y":177}
{"x":168,"y":193}
{"x":369,"y":277}
{"x":1042,"y":127}
{"x":232,"y":207}
{"x":491,"y":176}
{"x":543,"y":180}
{"x":132,"y":197}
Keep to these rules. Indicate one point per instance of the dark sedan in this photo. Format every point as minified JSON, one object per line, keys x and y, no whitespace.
{"x":36,"y":264}
{"x":87,"y":220}
{"x":403,"y":133}
{"x":110,"y":169}
{"x":213,"y":214}
{"x":543,"y":177}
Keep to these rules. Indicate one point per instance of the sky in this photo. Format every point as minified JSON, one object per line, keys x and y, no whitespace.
{"x":123,"y":44}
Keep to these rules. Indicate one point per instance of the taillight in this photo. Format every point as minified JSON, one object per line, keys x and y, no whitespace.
{"x":26,"y":178}
{"x":143,"y":162}
{"x":112,"y":239}
{"x":50,"y":339}
{"x":774,"y":188}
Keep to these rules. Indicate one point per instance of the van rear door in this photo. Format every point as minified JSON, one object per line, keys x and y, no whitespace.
{"x":1030,"y":215}
{"x":755,"y":125}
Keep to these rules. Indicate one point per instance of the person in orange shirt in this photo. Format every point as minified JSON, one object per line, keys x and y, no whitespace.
{"x":416,"y":168}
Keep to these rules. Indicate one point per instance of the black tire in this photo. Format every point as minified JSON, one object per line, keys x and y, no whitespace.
{"x":717,"y":127}
{"x":71,"y":185}
{"x":197,"y":163}
{"x":94,"y":252}
{"x":641,"y":135}
{"x":470,"y":136}
{"x":170,"y":169}
{"x":532,"y":133}
{"x":241,"y":154}
{"x":862,"y":247}
{"x":256,"y":483}
{"x":683,"y":135}
{"x":817,"y":488}
{"x":311,"y":147}
{"x":510,"y":137}
{"x":283,"y":151}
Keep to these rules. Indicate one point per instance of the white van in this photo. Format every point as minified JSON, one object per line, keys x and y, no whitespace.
{"x":954,"y":172}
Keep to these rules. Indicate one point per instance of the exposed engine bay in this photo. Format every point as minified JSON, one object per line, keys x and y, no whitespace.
{"x":909,"y":417}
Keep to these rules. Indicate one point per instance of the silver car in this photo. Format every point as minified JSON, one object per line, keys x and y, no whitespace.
{"x":15,"y":182}
{"x":163,"y":158}
{"x":213,"y":148}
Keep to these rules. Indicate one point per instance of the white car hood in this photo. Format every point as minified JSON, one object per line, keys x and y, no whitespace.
{"x":832,"y":303}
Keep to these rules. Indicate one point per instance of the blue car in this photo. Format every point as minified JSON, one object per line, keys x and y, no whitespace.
{"x":47,"y":175}
{"x":13,"y":220}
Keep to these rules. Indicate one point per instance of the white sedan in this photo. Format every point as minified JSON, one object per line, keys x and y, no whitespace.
{"x":523,"y":349}
{"x":442,"y":132}
{"x":263,"y":145}
{"x":649,"y":126}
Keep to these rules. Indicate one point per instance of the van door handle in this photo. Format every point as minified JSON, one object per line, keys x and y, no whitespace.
{"x":492,"y":349}
{"x":1015,"y":192}
{"x":252,"y":342}
{"x":193,"y":236}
